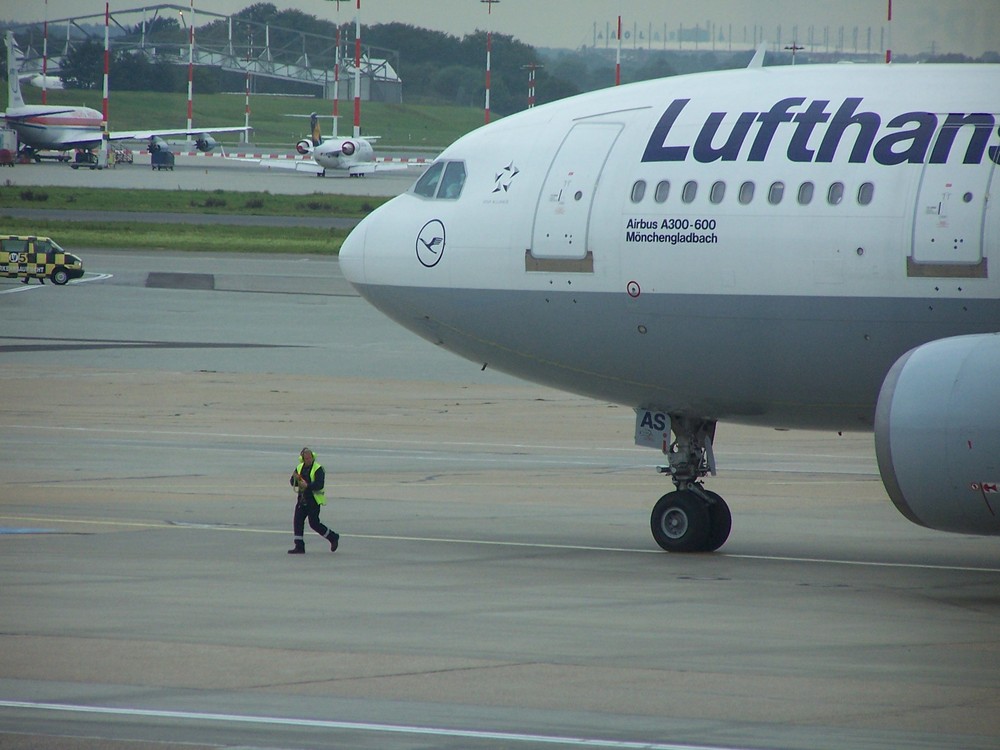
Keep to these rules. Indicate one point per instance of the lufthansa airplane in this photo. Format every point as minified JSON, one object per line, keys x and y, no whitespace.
{"x":793,"y":247}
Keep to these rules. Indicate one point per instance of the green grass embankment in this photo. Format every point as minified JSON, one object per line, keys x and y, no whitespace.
{"x":220,"y":238}
{"x":228,"y":237}
{"x":230,"y":202}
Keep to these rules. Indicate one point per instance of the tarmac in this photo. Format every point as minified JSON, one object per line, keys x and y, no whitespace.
{"x":496,"y":585}
{"x":215,"y":173}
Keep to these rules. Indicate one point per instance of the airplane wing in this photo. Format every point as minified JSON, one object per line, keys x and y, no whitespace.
{"x":369,"y":168}
{"x":33,"y":113}
{"x":297,"y":165}
{"x":145,"y":135}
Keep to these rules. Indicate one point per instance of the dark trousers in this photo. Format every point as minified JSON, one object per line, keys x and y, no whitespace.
{"x":305,"y":508}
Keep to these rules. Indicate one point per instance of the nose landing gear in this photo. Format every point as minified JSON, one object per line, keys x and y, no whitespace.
{"x":691,"y":518}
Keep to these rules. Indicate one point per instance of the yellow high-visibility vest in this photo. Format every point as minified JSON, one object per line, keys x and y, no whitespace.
{"x":320,"y":495}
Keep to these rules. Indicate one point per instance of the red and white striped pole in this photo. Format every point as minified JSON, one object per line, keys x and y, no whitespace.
{"x":246,"y":114}
{"x":532,"y":67}
{"x":336,"y":84}
{"x":45,"y":54}
{"x":191,"y":69}
{"x":489,"y":52}
{"x":888,"y":48}
{"x":618,"y":55}
{"x":336,"y":76}
{"x":102,"y":158}
{"x":357,"y":72}
{"x":107,"y":47}
{"x":489,"y":55}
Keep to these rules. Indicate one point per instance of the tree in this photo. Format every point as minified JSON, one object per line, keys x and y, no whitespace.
{"x":133,"y":71}
{"x":83,"y":66}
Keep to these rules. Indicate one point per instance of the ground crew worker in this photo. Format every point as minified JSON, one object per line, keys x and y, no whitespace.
{"x":309,"y":479}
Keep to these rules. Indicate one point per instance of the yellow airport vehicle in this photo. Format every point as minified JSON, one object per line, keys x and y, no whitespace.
{"x":39,"y":258}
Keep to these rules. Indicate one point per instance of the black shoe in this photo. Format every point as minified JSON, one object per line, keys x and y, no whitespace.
{"x":334,"y":541}
{"x":298,"y":549}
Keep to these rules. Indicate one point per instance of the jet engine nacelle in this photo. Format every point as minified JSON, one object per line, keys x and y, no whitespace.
{"x":937,"y":434}
{"x":205,"y":142}
{"x":304,"y":147}
{"x":157,"y":144}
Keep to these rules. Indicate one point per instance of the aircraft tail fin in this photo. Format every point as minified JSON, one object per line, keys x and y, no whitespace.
{"x":758,"y":56}
{"x":317,"y":137}
{"x":14,"y":98}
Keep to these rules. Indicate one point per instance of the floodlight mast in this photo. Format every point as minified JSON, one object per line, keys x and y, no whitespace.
{"x":45,"y":55}
{"x":489,"y":52}
{"x":618,"y":55}
{"x":531,"y":68}
{"x":190,"y":102}
{"x":102,"y":156}
{"x":357,"y":72}
{"x":888,"y":47}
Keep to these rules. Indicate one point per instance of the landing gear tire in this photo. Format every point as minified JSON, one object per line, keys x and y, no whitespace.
{"x":721,"y":519}
{"x":680,"y":522}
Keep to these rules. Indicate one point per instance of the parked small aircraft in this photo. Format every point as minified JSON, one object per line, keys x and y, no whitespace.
{"x":42,"y":127}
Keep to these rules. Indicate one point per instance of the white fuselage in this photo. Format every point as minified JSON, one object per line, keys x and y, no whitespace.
{"x":56,"y":128}
{"x":757,"y":245}
{"x":343,"y":153}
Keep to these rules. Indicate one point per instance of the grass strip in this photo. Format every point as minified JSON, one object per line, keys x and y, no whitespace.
{"x":189,"y":201}
{"x":72,"y":235}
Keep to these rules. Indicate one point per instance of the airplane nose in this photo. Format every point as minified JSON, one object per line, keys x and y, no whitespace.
{"x":352,"y":255}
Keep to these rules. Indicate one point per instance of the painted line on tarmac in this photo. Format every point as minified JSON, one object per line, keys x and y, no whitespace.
{"x":464,"y":734}
{"x":33,"y":287}
{"x":168,"y":524}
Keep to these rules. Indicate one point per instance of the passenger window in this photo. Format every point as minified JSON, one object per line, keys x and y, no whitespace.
{"x":746,"y":192}
{"x":428,"y":182}
{"x":835,"y":194}
{"x":15,"y":246}
{"x":776,"y":193}
{"x":638,"y":191}
{"x":718,"y":192}
{"x":454,"y":179}
{"x":805,"y":193}
{"x":42,"y":246}
{"x":865,"y":193}
{"x":662,"y":191}
{"x":690,"y":191}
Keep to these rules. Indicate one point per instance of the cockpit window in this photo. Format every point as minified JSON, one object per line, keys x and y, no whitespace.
{"x":443,"y":180}
{"x":454,"y":179}
{"x":428,"y":183}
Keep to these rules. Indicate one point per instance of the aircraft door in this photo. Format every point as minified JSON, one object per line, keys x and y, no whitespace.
{"x":949,"y":221}
{"x":562,"y":215}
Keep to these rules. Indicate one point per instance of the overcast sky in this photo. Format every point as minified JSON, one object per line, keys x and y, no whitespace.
{"x":968,"y":26}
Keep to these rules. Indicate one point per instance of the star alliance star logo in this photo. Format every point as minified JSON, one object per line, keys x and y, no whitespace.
{"x":504,"y":177}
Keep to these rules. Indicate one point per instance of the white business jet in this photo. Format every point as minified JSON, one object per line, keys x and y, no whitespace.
{"x":352,"y":156}
{"x":46,"y":127}
{"x":795,"y":247}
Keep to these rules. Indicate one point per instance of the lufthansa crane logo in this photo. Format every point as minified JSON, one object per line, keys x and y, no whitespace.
{"x":430,"y":243}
